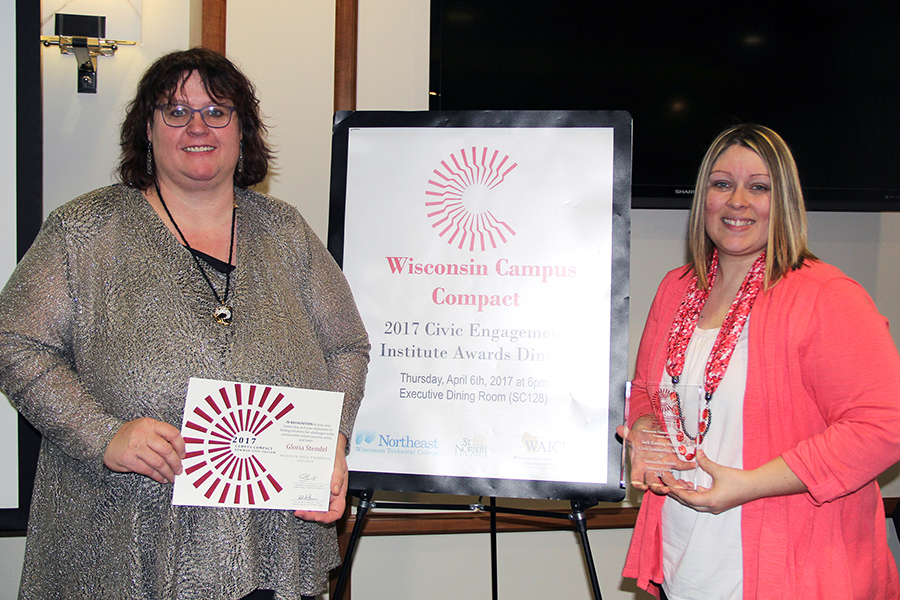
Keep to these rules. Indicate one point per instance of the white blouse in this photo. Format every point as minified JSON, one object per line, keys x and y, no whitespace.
{"x":702,"y":557}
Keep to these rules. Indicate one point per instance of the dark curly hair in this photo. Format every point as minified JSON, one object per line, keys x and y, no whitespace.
{"x":222,"y":81}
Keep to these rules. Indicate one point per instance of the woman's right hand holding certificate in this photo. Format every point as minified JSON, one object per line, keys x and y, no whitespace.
{"x":148,"y":447}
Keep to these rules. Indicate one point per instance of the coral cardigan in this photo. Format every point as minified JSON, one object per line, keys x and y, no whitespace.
{"x":823,"y":392}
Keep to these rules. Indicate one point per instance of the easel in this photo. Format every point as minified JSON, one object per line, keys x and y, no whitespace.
{"x":594,"y":142}
{"x":366,"y":503}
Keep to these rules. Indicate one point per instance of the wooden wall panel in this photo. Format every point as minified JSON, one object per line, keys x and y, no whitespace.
{"x":213,"y":33}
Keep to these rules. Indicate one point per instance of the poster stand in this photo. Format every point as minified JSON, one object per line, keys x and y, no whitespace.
{"x":577,"y":517}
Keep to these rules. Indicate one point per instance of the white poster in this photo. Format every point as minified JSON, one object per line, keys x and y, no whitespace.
{"x":480,"y":259}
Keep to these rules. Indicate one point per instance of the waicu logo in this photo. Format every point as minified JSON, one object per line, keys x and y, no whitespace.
{"x":459,"y":199}
{"x":537,"y":445}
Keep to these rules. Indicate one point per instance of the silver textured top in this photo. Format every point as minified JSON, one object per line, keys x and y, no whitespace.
{"x":104,"y":321}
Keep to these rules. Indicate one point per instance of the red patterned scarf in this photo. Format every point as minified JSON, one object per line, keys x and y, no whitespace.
{"x":686,"y":322}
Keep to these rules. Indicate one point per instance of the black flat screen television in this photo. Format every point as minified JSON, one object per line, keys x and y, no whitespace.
{"x":825,"y":75}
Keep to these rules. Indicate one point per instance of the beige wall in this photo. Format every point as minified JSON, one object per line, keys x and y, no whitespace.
{"x":287,"y":49}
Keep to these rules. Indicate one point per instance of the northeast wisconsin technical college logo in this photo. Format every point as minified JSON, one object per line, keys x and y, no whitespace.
{"x":459,"y":199}
{"x":385,"y":443}
{"x":367,"y":441}
{"x":365,"y":437}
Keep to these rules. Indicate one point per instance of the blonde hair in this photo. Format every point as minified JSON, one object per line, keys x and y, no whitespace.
{"x":786,"y":248}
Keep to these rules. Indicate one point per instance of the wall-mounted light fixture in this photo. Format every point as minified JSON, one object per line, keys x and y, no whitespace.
{"x":83,"y":36}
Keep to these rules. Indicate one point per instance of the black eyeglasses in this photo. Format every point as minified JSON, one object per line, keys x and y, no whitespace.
{"x":178,"y":115}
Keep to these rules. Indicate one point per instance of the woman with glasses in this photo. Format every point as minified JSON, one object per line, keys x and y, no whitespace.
{"x":180,"y":271}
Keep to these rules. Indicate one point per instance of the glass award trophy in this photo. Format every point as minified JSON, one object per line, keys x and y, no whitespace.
{"x":671,"y":443}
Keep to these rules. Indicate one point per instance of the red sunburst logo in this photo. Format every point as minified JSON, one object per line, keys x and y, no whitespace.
{"x":221,"y":456}
{"x":460,"y":198}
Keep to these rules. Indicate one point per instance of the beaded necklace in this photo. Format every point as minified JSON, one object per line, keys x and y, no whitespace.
{"x":686,"y":322}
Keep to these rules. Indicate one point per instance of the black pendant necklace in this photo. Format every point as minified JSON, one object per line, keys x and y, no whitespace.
{"x":223,"y":313}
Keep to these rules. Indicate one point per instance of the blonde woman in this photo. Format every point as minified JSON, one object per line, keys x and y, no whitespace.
{"x":800,"y":409}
